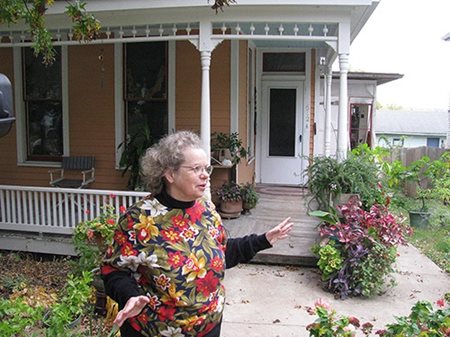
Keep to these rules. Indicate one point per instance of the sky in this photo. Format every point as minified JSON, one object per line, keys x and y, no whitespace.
{"x":405,"y":36}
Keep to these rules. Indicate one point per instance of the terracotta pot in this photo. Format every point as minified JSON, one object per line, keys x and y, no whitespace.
{"x":231,"y":206}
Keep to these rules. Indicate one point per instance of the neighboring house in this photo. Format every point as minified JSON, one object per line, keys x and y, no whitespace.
{"x":362,"y":89}
{"x":254,"y":69}
{"x":411,"y":128}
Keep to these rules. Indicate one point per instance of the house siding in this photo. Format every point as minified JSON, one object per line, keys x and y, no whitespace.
{"x":188,"y":87}
{"x":246,"y":170}
{"x":91,"y":108}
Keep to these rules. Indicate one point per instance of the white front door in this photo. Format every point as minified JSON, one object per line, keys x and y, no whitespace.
{"x":281,"y":133}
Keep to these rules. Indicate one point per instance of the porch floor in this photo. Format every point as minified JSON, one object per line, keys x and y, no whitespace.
{"x":275,"y":204}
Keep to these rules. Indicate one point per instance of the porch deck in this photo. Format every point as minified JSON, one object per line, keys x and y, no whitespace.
{"x":275,"y":204}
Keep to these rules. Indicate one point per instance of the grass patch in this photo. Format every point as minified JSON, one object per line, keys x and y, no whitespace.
{"x":433,"y":241}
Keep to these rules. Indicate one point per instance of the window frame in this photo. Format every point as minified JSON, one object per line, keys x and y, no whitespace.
{"x":20,"y":106}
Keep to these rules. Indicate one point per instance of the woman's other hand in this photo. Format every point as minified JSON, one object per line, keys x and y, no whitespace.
{"x":132,"y":308}
{"x":280,"y":232}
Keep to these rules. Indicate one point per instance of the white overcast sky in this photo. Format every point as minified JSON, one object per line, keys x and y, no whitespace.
{"x":405,"y":36}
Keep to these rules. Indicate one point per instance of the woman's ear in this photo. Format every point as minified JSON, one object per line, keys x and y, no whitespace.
{"x":169,"y":176}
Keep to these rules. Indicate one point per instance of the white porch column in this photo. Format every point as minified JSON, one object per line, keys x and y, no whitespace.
{"x":327,"y":141}
{"x":342,"y":141}
{"x":205,"y":107}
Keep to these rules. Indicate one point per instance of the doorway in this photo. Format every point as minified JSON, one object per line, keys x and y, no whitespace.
{"x":281,"y":135}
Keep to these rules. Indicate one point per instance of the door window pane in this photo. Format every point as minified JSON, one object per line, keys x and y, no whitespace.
{"x":282,"y":122}
{"x":146,"y":88}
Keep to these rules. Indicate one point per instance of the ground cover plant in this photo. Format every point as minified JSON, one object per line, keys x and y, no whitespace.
{"x":32,"y":285}
{"x":424,"y":320}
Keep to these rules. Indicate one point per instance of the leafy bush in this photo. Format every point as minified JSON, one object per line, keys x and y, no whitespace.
{"x":358,"y":250}
{"x":359,"y":174}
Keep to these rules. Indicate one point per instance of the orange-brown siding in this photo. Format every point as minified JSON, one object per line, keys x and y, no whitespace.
{"x":91,"y":106}
{"x":188,"y":87}
{"x":91,"y":119}
{"x":91,"y":109}
{"x":246,"y":170}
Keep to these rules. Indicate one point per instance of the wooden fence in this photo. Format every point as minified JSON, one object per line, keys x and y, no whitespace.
{"x":409,"y":155}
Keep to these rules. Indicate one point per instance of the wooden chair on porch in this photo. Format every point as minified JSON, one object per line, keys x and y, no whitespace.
{"x":74,"y":165}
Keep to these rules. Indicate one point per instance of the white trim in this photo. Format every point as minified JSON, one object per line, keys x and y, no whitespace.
{"x":234,"y":87}
{"x":19,"y":106}
{"x":65,"y":99}
{"x":250,"y":104}
{"x":171,"y":100}
{"x":119,"y":118}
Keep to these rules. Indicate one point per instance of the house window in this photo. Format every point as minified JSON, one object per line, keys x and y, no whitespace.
{"x":146,"y":88}
{"x":433,"y":142}
{"x":397,"y":141}
{"x":284,"y":62}
{"x":43,"y":107}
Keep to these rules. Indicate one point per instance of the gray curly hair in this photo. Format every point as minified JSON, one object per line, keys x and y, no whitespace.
{"x":168,"y":153}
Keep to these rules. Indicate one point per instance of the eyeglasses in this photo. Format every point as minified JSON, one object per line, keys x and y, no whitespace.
{"x":198,"y":169}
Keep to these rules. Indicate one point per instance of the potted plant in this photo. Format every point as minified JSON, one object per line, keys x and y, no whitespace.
{"x":67,"y":312}
{"x":418,"y":173}
{"x":331,"y":182}
{"x":91,"y":237}
{"x":230,"y":199}
{"x":133,"y":149}
{"x":227,"y":147}
{"x":249,"y":197}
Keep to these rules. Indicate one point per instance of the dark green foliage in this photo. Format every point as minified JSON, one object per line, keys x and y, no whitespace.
{"x":133,"y":149}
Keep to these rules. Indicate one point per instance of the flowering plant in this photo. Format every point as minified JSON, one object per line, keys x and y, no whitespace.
{"x":422,"y":321}
{"x":358,"y":249}
{"x":329,"y":324}
{"x":91,"y":237}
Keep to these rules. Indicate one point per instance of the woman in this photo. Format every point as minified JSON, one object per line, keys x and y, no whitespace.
{"x":166,"y":264}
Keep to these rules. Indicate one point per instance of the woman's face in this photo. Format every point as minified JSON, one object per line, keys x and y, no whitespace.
{"x":185,"y":184}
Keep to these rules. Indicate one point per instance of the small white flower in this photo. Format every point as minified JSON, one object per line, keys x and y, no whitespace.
{"x":155,"y":207}
{"x":172,"y":332}
{"x":133,"y":262}
{"x":130,"y":262}
{"x":149,"y":261}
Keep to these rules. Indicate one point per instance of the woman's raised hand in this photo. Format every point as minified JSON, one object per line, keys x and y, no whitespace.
{"x":280,"y":231}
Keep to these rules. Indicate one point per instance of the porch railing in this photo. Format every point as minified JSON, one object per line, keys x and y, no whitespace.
{"x":56,"y":210}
